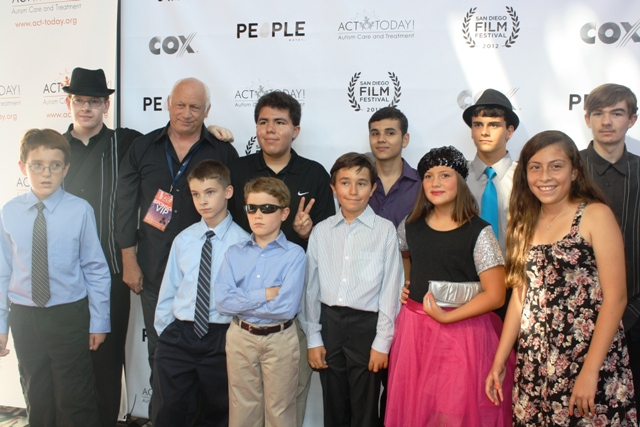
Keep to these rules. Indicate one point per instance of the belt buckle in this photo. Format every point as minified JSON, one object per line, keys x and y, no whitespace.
{"x":249,"y":328}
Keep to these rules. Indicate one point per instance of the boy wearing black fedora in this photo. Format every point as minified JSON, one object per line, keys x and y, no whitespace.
{"x":96,"y":154}
{"x":492,"y":122}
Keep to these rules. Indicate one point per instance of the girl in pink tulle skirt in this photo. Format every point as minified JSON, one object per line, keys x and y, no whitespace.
{"x":446,"y":334}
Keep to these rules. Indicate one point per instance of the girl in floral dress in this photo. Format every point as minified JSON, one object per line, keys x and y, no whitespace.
{"x":565,"y":261}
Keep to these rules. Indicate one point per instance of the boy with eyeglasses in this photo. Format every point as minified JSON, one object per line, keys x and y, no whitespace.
{"x":260,"y":283}
{"x":54,"y":274}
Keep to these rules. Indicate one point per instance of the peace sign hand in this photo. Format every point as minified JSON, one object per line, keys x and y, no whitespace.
{"x":302,"y":223}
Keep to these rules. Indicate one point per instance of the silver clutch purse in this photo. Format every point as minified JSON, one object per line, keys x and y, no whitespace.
{"x":453,"y":294}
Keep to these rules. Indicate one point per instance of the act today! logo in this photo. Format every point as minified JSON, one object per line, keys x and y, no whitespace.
{"x":490,"y":31}
{"x":371,"y":95}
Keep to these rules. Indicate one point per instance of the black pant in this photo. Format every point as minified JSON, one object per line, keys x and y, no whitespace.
{"x":108,"y":360}
{"x":52,"y":346}
{"x":350,"y":391}
{"x":187,"y":366}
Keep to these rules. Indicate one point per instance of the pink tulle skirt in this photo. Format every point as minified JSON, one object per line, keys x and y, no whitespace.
{"x":437,"y":372}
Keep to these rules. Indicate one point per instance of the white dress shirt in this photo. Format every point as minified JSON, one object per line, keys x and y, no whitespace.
{"x":355,"y":265}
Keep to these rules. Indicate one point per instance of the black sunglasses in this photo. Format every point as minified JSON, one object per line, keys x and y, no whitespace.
{"x":265,"y":209}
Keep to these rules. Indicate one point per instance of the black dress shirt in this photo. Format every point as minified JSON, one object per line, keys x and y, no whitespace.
{"x":93,"y":176}
{"x":620,"y":183}
{"x":144,"y":171}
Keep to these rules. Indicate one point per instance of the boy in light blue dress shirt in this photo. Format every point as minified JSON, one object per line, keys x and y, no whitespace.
{"x":190,"y":357}
{"x":55,"y":277}
{"x":260,"y":283}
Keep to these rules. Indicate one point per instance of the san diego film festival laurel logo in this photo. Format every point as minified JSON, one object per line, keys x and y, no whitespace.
{"x":373,"y":94}
{"x":491,"y":31}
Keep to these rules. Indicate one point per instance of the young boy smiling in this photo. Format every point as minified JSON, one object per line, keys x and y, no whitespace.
{"x":190,"y":357}
{"x":353,"y":280}
{"x":260,"y":283}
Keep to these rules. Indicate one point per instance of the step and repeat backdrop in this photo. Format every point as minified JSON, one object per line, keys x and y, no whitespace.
{"x":42,"y":41}
{"x":341,"y":60}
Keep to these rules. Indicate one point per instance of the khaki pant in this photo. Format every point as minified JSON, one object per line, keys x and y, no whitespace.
{"x":263,"y":377}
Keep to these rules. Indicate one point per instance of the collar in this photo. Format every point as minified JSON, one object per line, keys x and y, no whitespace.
{"x":205,"y":135}
{"x":367,"y":217}
{"x":220,"y":229}
{"x":92,"y":140}
{"x":281,"y":241}
{"x":501,"y":166}
{"x":600,"y":164}
{"x":292,"y":167}
{"x":409,"y":172}
{"x":50,"y":202}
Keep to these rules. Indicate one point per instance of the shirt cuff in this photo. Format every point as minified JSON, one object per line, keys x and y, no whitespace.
{"x":381,"y":345}
{"x":100,"y":325}
{"x":315,"y":340}
{"x":258,"y":297}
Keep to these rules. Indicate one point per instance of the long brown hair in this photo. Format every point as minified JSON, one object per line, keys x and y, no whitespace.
{"x":524,"y":206}
{"x":464,"y":207}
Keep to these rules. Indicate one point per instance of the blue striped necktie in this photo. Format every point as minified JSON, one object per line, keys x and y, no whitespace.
{"x":40,"y":292}
{"x":489,"y":211}
{"x":201,"y":318}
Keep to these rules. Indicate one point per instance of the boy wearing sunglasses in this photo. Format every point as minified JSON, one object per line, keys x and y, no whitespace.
{"x":260,"y":283}
{"x":190,"y":355}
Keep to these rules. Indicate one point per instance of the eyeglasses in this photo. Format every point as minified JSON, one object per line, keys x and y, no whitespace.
{"x":54,"y":168}
{"x":265,"y":209}
{"x":93,"y":103}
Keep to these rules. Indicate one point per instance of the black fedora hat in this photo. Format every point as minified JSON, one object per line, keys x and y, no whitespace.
{"x":492,"y":98}
{"x":88,"y":83}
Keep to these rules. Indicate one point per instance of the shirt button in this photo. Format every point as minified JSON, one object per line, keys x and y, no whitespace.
{"x":344,"y":280}
{"x":258,"y":276}
{"x":176,"y":211}
{"x":339,"y":299}
{"x":177,"y":190}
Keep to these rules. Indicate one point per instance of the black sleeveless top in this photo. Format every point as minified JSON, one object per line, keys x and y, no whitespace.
{"x":441,"y":255}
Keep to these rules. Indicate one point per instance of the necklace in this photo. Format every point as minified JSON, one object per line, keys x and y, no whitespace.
{"x":555,"y":217}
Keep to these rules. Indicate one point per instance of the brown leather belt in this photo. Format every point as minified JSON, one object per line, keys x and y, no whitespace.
{"x":262,"y":330}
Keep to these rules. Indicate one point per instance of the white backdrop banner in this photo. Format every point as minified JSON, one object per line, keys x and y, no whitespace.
{"x":43,"y":42}
{"x":341,"y":60}
{"x":345,"y":60}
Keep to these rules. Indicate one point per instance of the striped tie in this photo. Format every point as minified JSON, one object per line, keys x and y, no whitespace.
{"x":40,"y":260}
{"x":201,"y":318}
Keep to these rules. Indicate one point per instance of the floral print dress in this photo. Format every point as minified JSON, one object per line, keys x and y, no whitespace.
{"x":558,"y":319}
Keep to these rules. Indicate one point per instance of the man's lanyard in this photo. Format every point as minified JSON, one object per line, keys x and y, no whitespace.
{"x":185,"y":161}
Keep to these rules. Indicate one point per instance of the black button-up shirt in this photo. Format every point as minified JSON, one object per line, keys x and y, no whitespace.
{"x":620,"y":183}
{"x":93,"y":176}
{"x":144,"y":171}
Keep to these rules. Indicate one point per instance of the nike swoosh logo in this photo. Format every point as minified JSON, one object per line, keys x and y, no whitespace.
{"x":302,"y":194}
